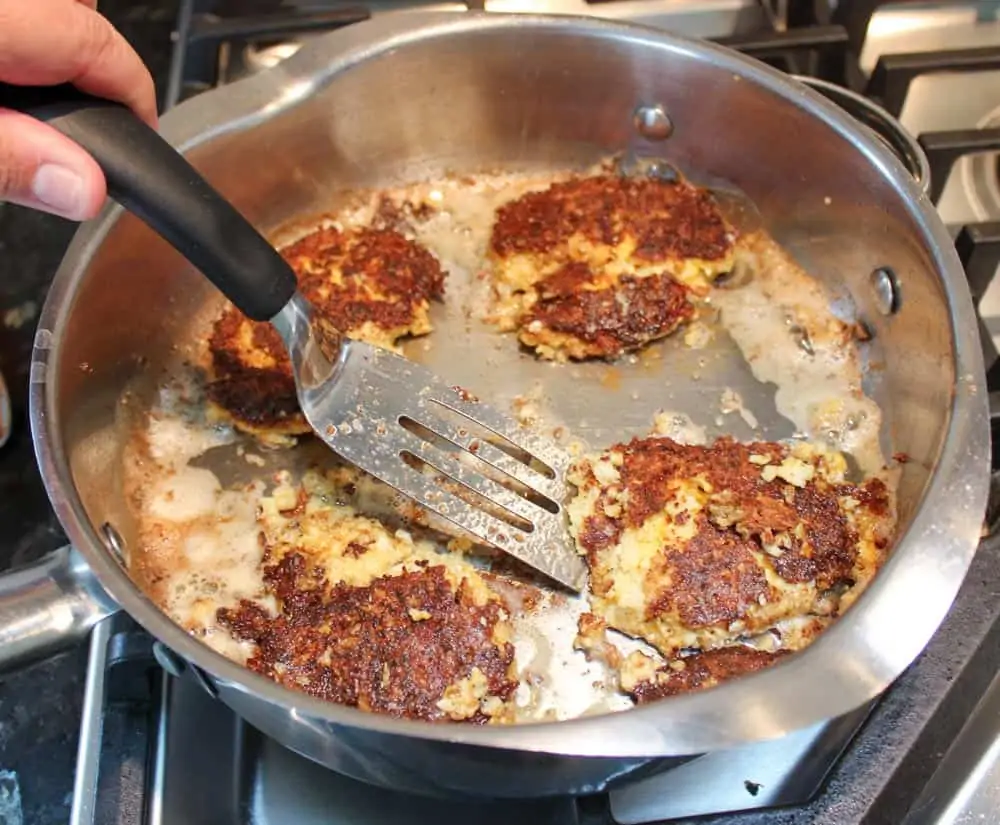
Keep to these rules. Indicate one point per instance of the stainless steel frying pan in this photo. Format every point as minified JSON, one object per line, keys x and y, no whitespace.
{"x":405,"y":98}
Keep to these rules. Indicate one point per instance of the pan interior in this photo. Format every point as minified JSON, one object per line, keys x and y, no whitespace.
{"x":382,"y":124}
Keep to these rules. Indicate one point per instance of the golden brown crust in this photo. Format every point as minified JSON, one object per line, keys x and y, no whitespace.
{"x":600,"y":266}
{"x":716,"y":580}
{"x":665,"y":220}
{"x":743,"y":499}
{"x":703,"y":670}
{"x":371,"y":284}
{"x":395,"y":646}
{"x":259,"y":397}
{"x":384,"y":278}
{"x":697,"y":546}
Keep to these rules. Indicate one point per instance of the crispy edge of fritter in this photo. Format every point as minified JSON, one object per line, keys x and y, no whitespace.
{"x":645,"y":678}
{"x":647,"y":681}
{"x":251,"y":383}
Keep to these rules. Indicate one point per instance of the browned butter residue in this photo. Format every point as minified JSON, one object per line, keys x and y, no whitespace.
{"x":611,"y":378}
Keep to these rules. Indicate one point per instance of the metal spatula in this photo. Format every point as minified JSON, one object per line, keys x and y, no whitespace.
{"x":436,"y":444}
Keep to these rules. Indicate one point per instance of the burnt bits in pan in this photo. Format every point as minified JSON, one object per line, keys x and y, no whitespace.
{"x":695,"y":548}
{"x":595,"y":267}
{"x":373,"y":285}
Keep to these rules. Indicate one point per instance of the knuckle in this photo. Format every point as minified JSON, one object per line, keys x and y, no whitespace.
{"x":99,"y":40}
{"x":105,"y":53}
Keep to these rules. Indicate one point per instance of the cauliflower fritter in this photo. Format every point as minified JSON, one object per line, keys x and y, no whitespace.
{"x":371,"y":618}
{"x":702,"y":546}
{"x":595,"y":267}
{"x":373,"y":285}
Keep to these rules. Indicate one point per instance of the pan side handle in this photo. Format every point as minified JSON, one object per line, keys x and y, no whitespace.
{"x":47,"y":606}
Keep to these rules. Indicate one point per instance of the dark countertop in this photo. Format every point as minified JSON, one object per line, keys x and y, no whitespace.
{"x":40,"y":707}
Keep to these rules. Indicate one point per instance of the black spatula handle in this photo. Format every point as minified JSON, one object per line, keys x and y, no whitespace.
{"x":147,"y":176}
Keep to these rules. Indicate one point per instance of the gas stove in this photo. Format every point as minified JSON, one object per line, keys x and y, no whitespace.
{"x":156,"y":748}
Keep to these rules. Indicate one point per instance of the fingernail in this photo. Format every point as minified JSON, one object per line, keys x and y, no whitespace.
{"x":61,"y":190}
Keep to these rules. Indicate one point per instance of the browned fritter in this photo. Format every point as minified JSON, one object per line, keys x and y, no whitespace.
{"x":373,"y":285}
{"x":602,"y":265}
{"x":260,"y":396}
{"x":702,"y":670}
{"x":384,"y":278}
{"x":697,"y":546}
{"x":395,"y":646}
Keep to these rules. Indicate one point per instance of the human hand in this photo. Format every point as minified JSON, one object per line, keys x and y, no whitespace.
{"x":45,"y":43}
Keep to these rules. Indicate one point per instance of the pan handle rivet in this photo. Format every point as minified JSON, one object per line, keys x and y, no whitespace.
{"x":113,"y":541}
{"x":885,"y":287}
{"x":653,"y":122}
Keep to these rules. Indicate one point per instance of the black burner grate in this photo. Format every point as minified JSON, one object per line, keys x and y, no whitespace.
{"x":209,"y":33}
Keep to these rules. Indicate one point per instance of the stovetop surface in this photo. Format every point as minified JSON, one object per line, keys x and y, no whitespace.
{"x":905,"y":735}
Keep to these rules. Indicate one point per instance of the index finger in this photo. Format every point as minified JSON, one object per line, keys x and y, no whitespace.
{"x":47,"y":42}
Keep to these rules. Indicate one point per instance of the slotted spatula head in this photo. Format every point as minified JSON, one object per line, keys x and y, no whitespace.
{"x":435,"y":444}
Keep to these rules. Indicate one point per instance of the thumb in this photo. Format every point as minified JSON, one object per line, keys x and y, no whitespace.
{"x":43,"y":169}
